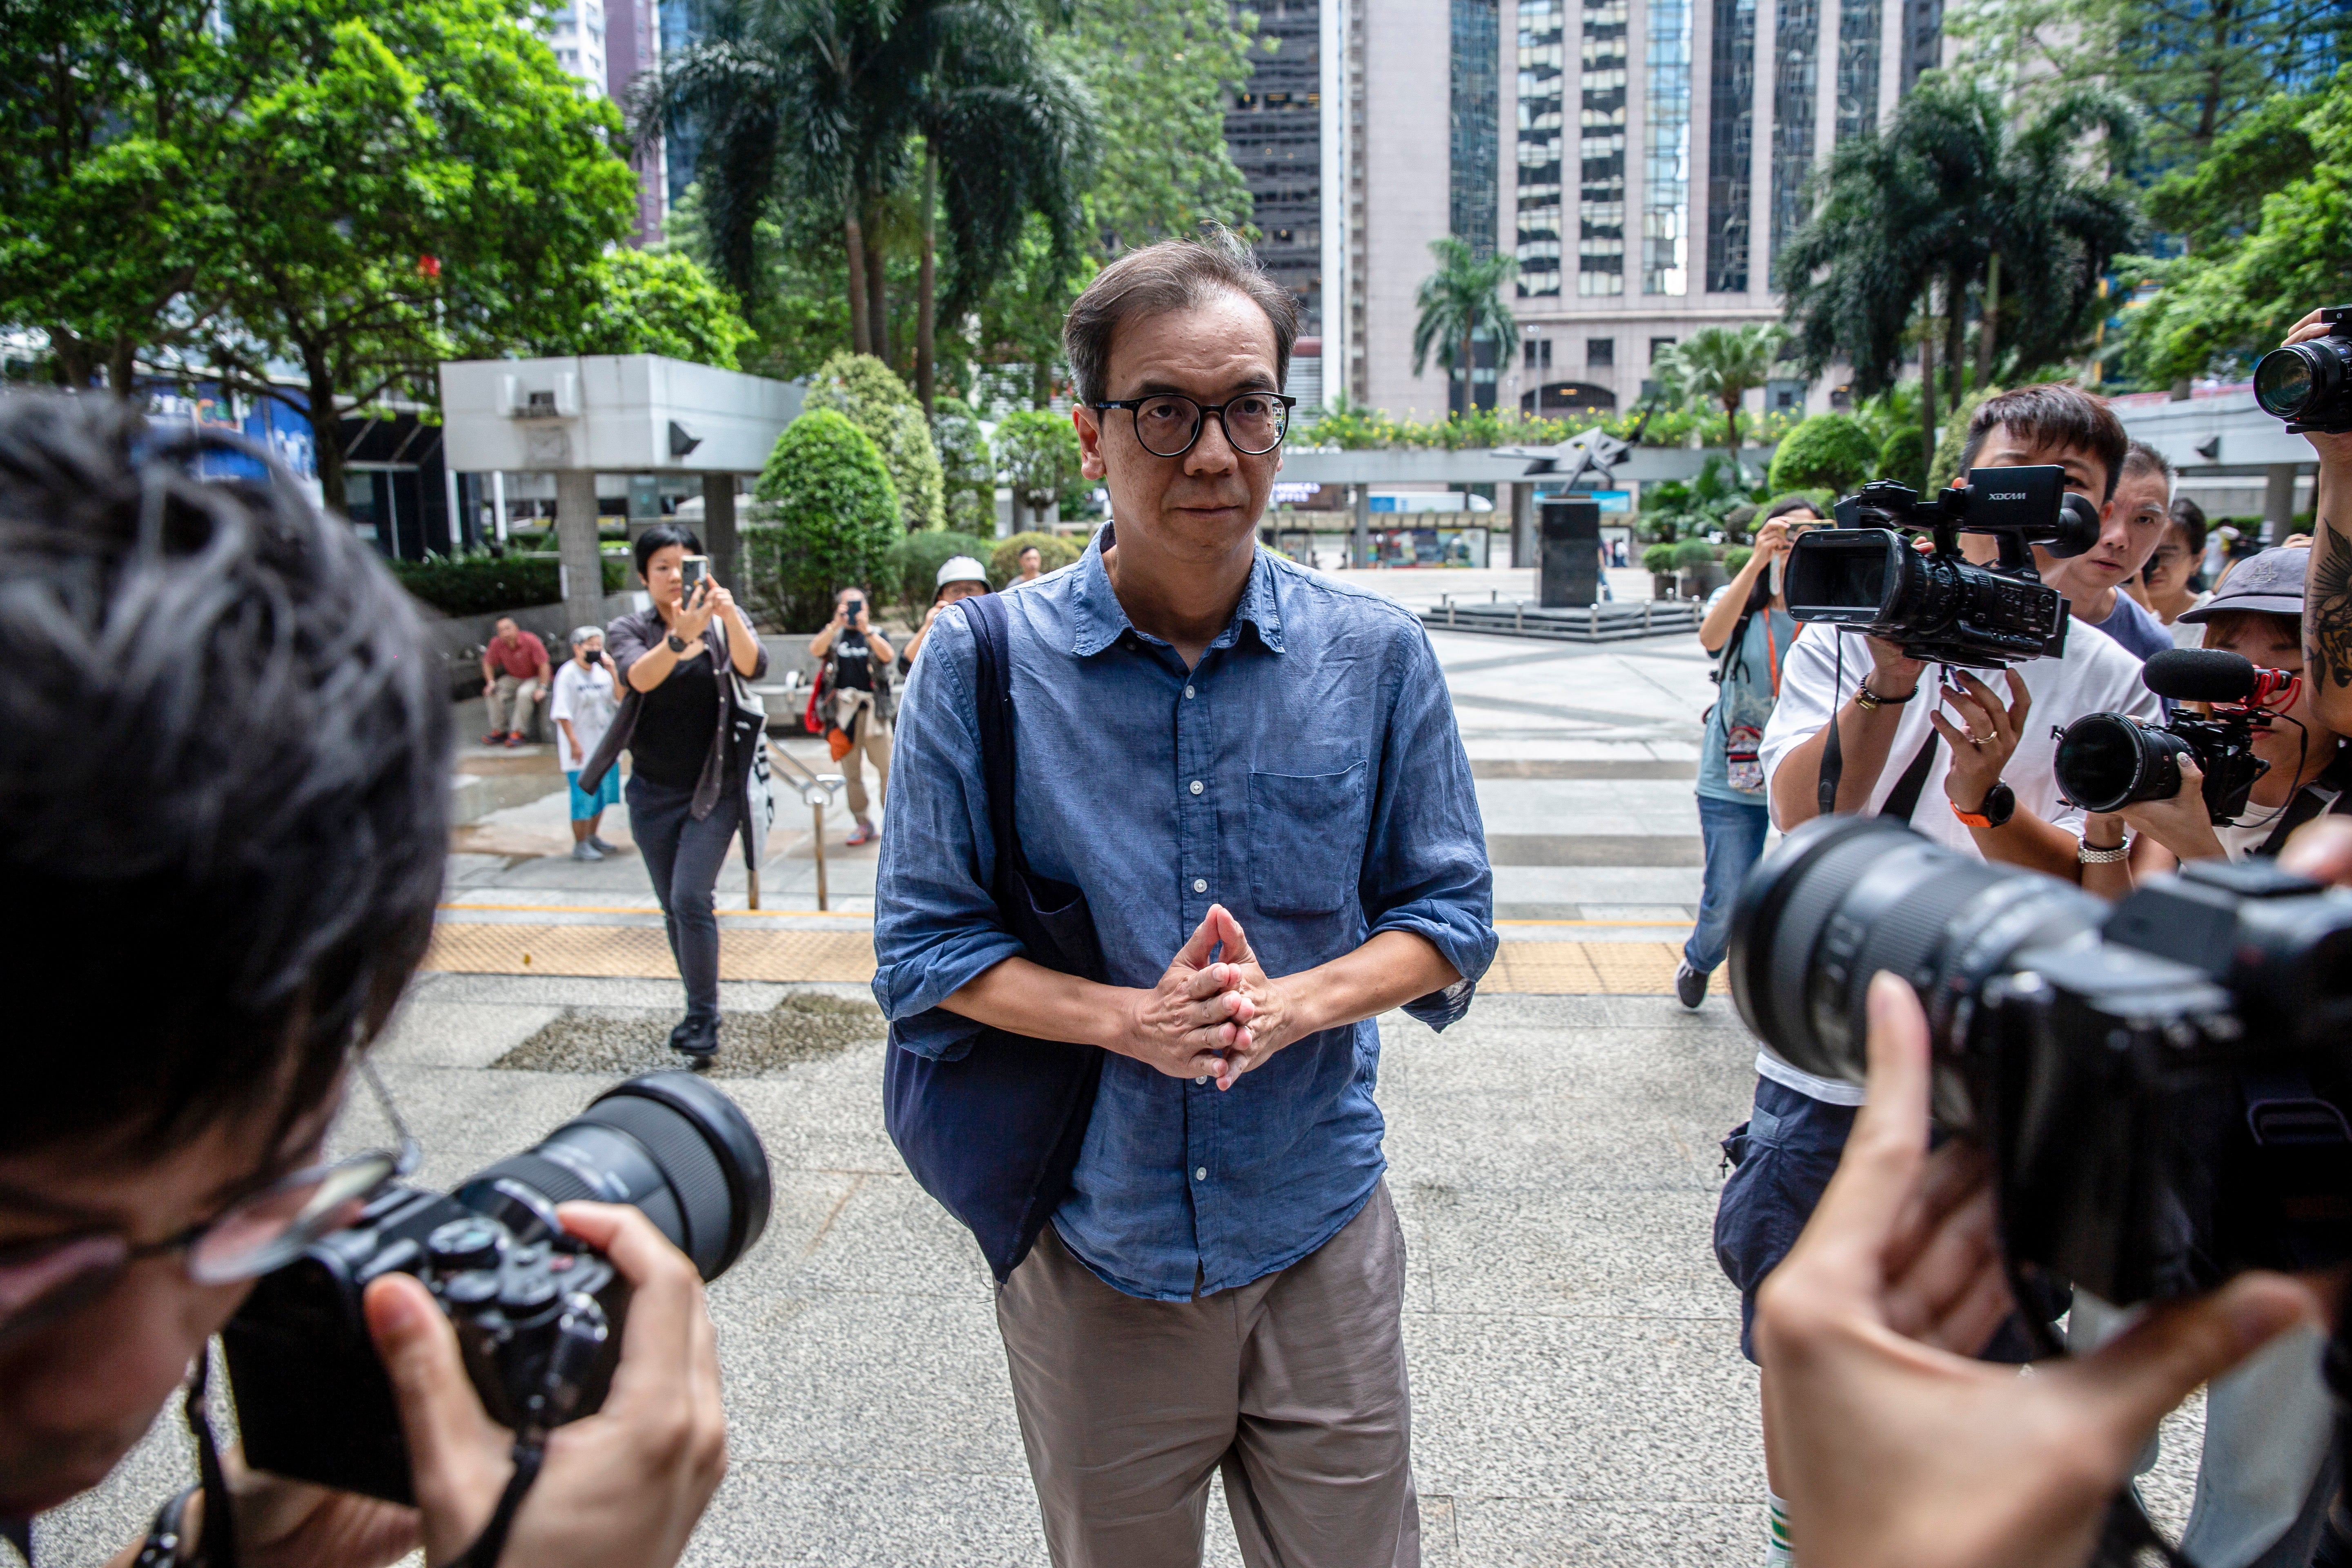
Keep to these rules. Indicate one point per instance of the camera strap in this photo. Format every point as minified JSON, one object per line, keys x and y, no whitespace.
{"x":529,"y":1451}
{"x":2309,"y":803}
{"x":1901,"y":801}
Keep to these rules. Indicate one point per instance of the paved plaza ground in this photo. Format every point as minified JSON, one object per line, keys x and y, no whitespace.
{"x":1578,"y":1392}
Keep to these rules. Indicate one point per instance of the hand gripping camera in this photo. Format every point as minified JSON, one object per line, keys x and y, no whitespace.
{"x":539,"y":1314}
{"x":2161,"y":1084}
{"x":2106,"y":760}
{"x":1867,"y":574}
{"x":2309,"y":384}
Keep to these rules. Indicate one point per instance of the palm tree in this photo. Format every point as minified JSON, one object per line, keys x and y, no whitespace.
{"x":1723,"y":364}
{"x":831,"y":105}
{"x":1950,"y":205}
{"x":1459,"y":300}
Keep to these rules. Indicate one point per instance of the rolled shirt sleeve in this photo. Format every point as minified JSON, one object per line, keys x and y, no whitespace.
{"x":1426,"y":868}
{"x":936,"y":927}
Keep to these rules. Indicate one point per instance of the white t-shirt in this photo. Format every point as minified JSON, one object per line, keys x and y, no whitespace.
{"x":2096,"y":674}
{"x":585,"y":697}
{"x":2189,"y":634}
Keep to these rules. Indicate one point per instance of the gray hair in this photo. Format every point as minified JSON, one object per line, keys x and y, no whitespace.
{"x":1174,"y":275}
{"x":582,"y":634}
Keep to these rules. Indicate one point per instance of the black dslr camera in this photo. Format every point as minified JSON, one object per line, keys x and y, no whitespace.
{"x":2309,"y":384}
{"x":2161,"y":1084}
{"x":2106,"y":760}
{"x":1865,"y":574}
{"x":538,"y":1313}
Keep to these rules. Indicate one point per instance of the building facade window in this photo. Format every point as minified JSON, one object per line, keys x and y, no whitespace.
{"x":1659,"y":346}
{"x":1474,"y":194}
{"x":1857,"y":80}
{"x":1600,"y":353}
{"x":1665,"y":189}
{"x":1274,"y":132}
{"x":1923,"y":40}
{"x":1538,"y":352}
{"x":1794,"y":88}
{"x":1731,"y":145}
{"x":1542,"y":59}
{"x":1601,"y":153}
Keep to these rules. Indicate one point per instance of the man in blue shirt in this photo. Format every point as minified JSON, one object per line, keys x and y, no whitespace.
{"x":1253,"y":775}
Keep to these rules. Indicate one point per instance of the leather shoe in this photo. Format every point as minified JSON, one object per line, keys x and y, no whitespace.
{"x":1690,"y":985}
{"x":697,"y":1038}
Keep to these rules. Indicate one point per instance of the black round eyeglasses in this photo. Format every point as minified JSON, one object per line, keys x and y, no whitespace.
{"x":1167,"y":423}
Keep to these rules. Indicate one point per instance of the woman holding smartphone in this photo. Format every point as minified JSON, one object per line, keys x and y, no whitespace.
{"x":686,"y":791}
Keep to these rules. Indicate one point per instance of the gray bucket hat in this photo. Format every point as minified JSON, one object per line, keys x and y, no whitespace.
{"x":2270,"y":583}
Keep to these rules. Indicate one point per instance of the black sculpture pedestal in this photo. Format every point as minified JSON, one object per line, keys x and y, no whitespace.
{"x":1571,"y":553}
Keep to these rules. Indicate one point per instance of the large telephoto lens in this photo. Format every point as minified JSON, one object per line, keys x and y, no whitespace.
{"x":2288,"y":380}
{"x":1845,"y":897}
{"x":2108,"y":760}
{"x":668,"y":1143}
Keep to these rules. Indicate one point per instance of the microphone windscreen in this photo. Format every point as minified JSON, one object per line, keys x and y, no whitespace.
{"x":2199,"y":674}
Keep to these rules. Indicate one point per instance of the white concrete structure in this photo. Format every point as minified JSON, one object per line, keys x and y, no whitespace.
{"x":583,"y":414}
{"x":2231,"y":454}
{"x":576,"y":34}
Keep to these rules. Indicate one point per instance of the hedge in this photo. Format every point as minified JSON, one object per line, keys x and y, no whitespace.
{"x":912,"y":572}
{"x":835,"y":518}
{"x":1055,"y":551}
{"x":483,"y":585}
{"x":1828,"y":451}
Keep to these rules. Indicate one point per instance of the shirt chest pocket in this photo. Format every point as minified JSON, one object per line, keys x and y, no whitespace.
{"x":1305,"y":840}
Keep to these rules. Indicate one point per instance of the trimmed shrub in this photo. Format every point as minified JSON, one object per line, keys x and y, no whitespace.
{"x":1904,"y":458}
{"x":1736,"y":558}
{"x":1055,"y":551}
{"x":483,"y":585}
{"x":967,"y":467}
{"x":1039,"y":450}
{"x":833,"y":519}
{"x":1828,"y":451}
{"x":1658,"y":560}
{"x":862,"y":389}
{"x":1693,"y":553}
{"x":913,"y":570}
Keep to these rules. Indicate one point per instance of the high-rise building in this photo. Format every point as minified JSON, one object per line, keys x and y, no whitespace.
{"x":1274,"y":133}
{"x":1695,"y":124}
{"x":576,"y":34}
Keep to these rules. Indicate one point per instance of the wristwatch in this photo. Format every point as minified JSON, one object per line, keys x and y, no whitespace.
{"x":2088,"y":854}
{"x":2000,"y":806}
{"x":677,"y":643}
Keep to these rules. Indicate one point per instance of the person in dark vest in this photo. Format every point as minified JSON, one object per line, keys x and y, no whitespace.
{"x":853,"y":699}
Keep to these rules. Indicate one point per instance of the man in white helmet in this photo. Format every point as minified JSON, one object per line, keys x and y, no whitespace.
{"x":959,"y":578}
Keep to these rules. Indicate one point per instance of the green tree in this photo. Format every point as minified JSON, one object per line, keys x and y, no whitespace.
{"x":839,"y":105}
{"x":645,"y":303}
{"x":2196,"y":68}
{"x":967,"y":466}
{"x":2218,"y":307}
{"x":104,"y":131}
{"x":835,"y":520}
{"x":1903,"y":456}
{"x":415,"y":181}
{"x":1460,"y":302}
{"x":862,"y":388}
{"x":913,"y":570}
{"x":1951,"y":205}
{"x":1039,"y":450}
{"x":1161,"y":73}
{"x":1828,"y":451}
{"x":1721,"y":365}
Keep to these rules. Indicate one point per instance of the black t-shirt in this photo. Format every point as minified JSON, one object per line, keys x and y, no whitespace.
{"x":853,"y":661}
{"x":672,"y":740}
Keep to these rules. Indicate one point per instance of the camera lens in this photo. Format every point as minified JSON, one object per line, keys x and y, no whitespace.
{"x":2111,"y":759}
{"x":2287,"y":380}
{"x":668,"y":1143}
{"x":1845,"y":897}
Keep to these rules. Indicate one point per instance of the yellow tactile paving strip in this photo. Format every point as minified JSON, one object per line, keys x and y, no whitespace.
{"x":1526,"y":968}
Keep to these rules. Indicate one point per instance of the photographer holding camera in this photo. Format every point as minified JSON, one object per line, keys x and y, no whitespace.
{"x":223,"y":749}
{"x":2303,"y":381}
{"x":853,"y":700}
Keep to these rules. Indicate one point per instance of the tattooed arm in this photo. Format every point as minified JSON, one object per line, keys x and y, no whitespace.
{"x":2327,"y":587}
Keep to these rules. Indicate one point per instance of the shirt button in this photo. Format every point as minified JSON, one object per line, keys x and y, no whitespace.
{"x":1196,"y":786}
{"x":1200,"y":884}
{"x":1187,"y":691}
{"x":1199,"y":1173}
{"x":1202,"y":1078}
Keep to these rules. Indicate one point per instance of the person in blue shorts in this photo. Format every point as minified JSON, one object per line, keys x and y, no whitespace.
{"x":587,"y":695}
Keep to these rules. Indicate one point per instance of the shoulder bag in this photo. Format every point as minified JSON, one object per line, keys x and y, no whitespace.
{"x":994,"y":1134}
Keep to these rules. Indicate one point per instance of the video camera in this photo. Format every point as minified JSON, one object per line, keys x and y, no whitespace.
{"x":1867,"y":574}
{"x":2160,"y":1083}
{"x":2106,"y":760}
{"x":2309,"y":384}
{"x":539,"y":1313}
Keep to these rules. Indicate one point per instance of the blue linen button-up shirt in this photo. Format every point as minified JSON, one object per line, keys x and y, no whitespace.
{"x":1307,"y":775}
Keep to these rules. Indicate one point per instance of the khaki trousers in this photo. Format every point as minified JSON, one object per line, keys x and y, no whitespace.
{"x":1293,"y":1386}
{"x":511,"y":700}
{"x":866,"y":741}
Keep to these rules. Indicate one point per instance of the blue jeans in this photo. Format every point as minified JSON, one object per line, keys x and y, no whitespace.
{"x":1731,"y":836}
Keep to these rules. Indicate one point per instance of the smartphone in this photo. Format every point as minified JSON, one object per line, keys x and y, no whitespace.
{"x":694,"y":571}
{"x":853,"y":608}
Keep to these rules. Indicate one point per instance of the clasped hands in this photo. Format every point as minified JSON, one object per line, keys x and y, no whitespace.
{"x":1215,"y":1013}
